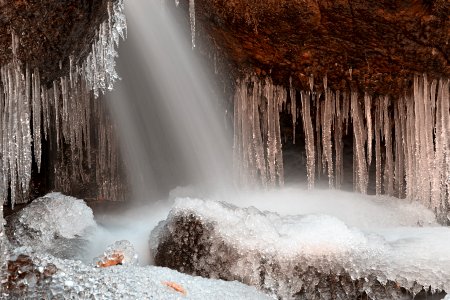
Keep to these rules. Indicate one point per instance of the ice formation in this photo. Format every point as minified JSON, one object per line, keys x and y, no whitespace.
{"x":192,"y":20}
{"x":257,"y":140}
{"x":406,"y":138}
{"x":243,"y":242}
{"x":27,"y":105}
{"x":47,"y":277}
{"x":50,"y":222}
{"x":3,"y":248}
{"x":124,"y":249}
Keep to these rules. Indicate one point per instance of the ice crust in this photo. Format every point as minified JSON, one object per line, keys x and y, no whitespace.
{"x":75,"y":280}
{"x":50,"y":221}
{"x":403,"y":252}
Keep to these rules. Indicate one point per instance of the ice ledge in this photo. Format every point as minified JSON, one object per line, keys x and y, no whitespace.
{"x":310,"y":255}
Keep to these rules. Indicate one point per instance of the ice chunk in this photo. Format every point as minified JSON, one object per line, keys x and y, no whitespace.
{"x":119,"y":253}
{"x":49,"y":222}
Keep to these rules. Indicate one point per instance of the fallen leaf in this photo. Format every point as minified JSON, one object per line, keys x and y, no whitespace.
{"x":175,"y":286}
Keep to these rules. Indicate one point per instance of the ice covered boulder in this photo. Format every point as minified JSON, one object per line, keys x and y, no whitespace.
{"x":119,"y":253}
{"x":42,"y":276}
{"x":302,"y":257}
{"x":54,"y":223}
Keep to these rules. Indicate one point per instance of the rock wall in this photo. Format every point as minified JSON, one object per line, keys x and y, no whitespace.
{"x":376,"y":46}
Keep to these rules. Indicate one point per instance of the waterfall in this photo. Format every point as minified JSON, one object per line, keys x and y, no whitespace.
{"x":169,"y":120}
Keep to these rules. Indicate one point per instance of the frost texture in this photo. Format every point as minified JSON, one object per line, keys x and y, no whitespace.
{"x":74,"y":280}
{"x":48,"y":222}
{"x":245,"y":238}
{"x":26,"y":106}
{"x":409,"y":134}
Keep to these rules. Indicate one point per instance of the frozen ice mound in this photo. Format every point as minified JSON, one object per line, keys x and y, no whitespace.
{"x":314,"y":256}
{"x":54,"y":223}
{"x":121,"y":252}
{"x":41,"y":276}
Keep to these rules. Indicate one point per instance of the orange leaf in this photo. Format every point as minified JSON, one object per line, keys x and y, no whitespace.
{"x":116,"y":259}
{"x":175,"y":286}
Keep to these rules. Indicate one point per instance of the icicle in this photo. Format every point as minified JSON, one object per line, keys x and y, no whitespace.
{"x":280,"y":98}
{"x":399,"y":152}
{"x":339,"y":147}
{"x":359,"y":140}
{"x":293,"y":109}
{"x":192,"y":21}
{"x":257,"y":136}
{"x":378,"y":131}
{"x":45,"y":112}
{"x":36,"y":103}
{"x":441,"y":156}
{"x":311,"y":83}
{"x":316,"y":99}
{"x":367,"y":109}
{"x":309,"y":134}
{"x":257,"y":125}
{"x":271,"y":123}
{"x":328,"y":113}
{"x":389,"y":165}
{"x":411,"y":150}
{"x":345,"y":110}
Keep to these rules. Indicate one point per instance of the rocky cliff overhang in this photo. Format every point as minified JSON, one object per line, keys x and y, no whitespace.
{"x":50,"y":31}
{"x":376,"y":46}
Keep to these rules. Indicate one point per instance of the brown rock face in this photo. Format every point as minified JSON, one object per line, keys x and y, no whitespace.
{"x":373,"y":45}
{"x":49,"y":32}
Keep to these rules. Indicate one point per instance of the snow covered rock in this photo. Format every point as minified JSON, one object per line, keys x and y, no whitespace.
{"x":41,"y":276}
{"x":119,"y":253}
{"x":54,"y":223}
{"x":301,"y":257}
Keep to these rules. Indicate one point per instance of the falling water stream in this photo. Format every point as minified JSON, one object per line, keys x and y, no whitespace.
{"x":170,"y":122}
{"x":169,"y":119}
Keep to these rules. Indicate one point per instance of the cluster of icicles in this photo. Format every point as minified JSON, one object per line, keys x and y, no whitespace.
{"x":406,"y":140}
{"x":29,"y":109}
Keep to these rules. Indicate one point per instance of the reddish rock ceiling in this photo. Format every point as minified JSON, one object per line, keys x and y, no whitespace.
{"x":384,"y":43}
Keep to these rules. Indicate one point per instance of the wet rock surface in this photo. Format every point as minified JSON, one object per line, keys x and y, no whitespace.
{"x":194,"y":244}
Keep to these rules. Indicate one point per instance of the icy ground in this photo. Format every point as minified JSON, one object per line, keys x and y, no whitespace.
{"x":396,"y":239}
{"x":75,"y":280}
{"x":55,"y":222}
